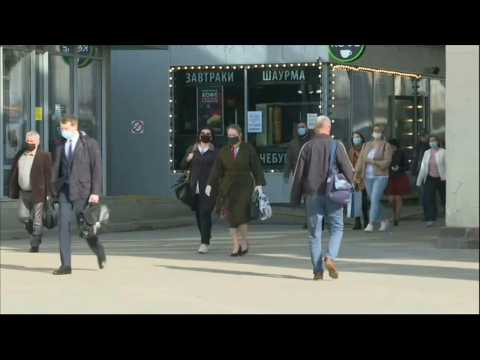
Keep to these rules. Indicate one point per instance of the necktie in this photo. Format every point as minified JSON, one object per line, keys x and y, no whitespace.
{"x":233,"y":153}
{"x":70,"y":150}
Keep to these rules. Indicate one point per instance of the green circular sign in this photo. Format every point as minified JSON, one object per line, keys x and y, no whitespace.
{"x":84,"y":50}
{"x":346,"y":53}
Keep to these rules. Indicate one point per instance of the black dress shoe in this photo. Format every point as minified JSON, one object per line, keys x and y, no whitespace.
{"x":242,"y":252}
{"x":101,"y":259}
{"x":34,"y":249}
{"x":63,"y":270}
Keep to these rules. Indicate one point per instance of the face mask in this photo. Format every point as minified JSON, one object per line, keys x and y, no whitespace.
{"x":377,"y":135}
{"x":357,"y":141}
{"x":434,"y":145}
{"x":67,"y":135}
{"x":302,"y":131}
{"x":29,"y":147}
{"x":205,"y":138}
{"x":233,"y":140}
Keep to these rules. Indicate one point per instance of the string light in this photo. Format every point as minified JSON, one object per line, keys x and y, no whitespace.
{"x":380,"y":71}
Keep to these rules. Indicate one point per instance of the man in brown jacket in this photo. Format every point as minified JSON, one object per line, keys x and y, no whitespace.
{"x":310,"y":180}
{"x":30,"y":184}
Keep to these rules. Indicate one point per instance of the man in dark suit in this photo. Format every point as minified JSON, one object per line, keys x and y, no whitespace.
{"x":30,"y":184}
{"x":77,"y":181}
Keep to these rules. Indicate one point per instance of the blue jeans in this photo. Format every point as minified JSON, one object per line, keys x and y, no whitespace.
{"x":375,"y":188}
{"x":319,"y":207}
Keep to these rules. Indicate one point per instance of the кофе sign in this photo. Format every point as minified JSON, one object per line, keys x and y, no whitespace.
{"x":346,"y":53}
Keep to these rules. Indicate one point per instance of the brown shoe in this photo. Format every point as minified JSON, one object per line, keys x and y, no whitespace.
{"x":331,"y":267}
{"x":318,"y":276}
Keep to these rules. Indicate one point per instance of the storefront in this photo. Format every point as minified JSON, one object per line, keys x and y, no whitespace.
{"x":268,"y":100}
{"x":40,"y":84}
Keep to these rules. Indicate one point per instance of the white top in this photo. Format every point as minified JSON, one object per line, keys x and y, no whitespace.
{"x":24,"y":168}
{"x":202,"y":151}
{"x":73,"y":142}
{"x":370,"y":171}
{"x":441,"y":165}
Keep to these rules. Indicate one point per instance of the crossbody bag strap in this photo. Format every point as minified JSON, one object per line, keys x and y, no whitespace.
{"x":333,"y":159}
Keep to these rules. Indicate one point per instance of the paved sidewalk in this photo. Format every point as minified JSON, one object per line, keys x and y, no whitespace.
{"x":160,"y":272}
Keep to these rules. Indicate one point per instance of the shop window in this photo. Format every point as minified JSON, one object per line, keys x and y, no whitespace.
{"x":205,"y":97}
{"x":280,"y":97}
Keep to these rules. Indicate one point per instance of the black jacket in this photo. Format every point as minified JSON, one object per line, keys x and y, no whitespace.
{"x":418,"y":156}
{"x":311,"y":171}
{"x":85,"y":170}
{"x":200,"y":166}
{"x":399,"y":159}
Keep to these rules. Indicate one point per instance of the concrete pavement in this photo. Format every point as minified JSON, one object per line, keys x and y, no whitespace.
{"x":160,"y":272}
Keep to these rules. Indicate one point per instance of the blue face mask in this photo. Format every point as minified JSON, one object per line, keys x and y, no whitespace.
{"x":302,"y":131}
{"x":434,"y":145}
{"x":67,"y":135}
{"x":357,"y":141}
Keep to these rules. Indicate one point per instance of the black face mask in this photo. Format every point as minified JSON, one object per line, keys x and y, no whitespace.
{"x":29,"y":147}
{"x":205,"y":138}
{"x":233,"y":140}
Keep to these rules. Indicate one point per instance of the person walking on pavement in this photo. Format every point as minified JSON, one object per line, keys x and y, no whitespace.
{"x":372,"y":169}
{"x":310,"y":181}
{"x":399,"y":184}
{"x":77,"y":182}
{"x":30,"y":184}
{"x":432,"y":176}
{"x":232,"y":171}
{"x":199,"y":159}
{"x":356,"y":147}
{"x":302,"y":136}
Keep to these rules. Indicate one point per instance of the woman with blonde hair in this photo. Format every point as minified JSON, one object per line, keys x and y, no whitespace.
{"x":372,"y":169}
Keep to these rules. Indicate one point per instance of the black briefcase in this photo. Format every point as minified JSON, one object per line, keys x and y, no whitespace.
{"x":50,"y":213}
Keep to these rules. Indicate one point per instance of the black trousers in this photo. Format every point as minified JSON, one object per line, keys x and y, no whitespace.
{"x":203,"y":207}
{"x":431,"y":187}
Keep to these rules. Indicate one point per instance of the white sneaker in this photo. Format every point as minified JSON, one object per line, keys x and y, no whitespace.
{"x":369,"y":228}
{"x":384,"y":225}
{"x":203,"y":249}
{"x":430,"y":223}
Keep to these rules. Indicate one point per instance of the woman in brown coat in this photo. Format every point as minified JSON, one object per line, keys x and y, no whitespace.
{"x":233,"y":171}
{"x":372,"y":169}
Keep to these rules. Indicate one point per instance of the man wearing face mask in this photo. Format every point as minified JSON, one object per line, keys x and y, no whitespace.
{"x":77,"y":181}
{"x":30,"y":184}
{"x":302,"y":136}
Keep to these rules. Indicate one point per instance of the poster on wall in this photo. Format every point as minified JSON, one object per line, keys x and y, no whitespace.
{"x":255,"y":124}
{"x":311,"y":120}
{"x":210,"y":108}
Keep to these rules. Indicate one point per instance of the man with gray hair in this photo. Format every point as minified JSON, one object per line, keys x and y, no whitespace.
{"x":30,"y":184}
{"x":310,"y":181}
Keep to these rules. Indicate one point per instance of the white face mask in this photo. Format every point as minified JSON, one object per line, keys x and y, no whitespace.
{"x":377,"y":135}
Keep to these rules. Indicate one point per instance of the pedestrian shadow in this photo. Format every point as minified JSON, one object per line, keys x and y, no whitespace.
{"x":34,"y":269}
{"x":233,"y":272}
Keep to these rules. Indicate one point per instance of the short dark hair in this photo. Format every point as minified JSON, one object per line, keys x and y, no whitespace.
{"x":70,"y":119}
{"x":394,"y":142}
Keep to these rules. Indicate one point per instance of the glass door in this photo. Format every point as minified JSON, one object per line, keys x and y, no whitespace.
{"x":15,"y":107}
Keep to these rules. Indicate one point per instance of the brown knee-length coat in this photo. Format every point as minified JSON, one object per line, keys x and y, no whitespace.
{"x":236,"y":179}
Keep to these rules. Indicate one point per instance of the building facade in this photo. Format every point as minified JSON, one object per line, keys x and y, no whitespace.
{"x":144,"y":104}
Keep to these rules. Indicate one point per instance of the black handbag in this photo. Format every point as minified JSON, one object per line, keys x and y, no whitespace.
{"x":183,"y":190}
{"x":50,"y":213}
